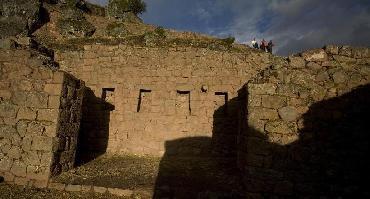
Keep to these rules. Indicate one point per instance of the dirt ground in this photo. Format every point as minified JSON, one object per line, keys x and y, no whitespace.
{"x":182,"y":177}
{"x":20,"y":192}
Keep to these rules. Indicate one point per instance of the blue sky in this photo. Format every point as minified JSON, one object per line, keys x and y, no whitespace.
{"x":293,"y":25}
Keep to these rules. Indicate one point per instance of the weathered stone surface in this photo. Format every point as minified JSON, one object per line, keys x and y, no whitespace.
{"x":48,"y":115}
{"x":258,"y":89}
{"x":315,"y":55}
{"x":279,"y":127}
{"x":344,"y":58}
{"x":288,"y":113}
{"x":273,"y":101}
{"x":73,"y":188}
{"x":19,"y":169}
{"x":339,"y":77}
{"x":40,"y":143}
{"x":263,"y":113}
{"x":57,"y":186}
{"x":100,"y":189}
{"x":296,"y":62}
{"x":7,"y":109}
{"x":26,"y":113}
{"x":314,"y":66}
{"x":120,"y":192}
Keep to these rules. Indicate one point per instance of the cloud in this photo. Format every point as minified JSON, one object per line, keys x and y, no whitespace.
{"x":293,"y":25}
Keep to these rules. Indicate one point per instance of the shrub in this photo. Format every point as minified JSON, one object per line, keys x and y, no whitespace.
{"x":117,"y":8}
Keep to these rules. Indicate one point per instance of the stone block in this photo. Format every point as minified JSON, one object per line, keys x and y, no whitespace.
{"x":38,"y":173}
{"x":99,"y":189}
{"x":278,"y":127}
{"x":54,"y":102}
{"x":258,"y":113}
{"x":5,"y":163}
{"x":344,"y":59}
{"x":53,"y":89}
{"x":19,"y":98}
{"x":315,"y":55}
{"x":41,"y":143}
{"x":120,"y":192}
{"x":21,"y":181}
{"x":19,"y":169}
{"x":26,"y":113}
{"x":261,"y":89}
{"x":31,"y":158}
{"x":296,"y":62}
{"x":35,"y":128}
{"x":15,"y":152}
{"x":86,"y":188}
{"x":57,"y":186}
{"x":314,"y":66}
{"x":73,"y":188}
{"x":58,"y":77}
{"x":37,"y":100}
{"x":48,"y":115}
{"x":339,"y":77}
{"x":273,"y":101}
{"x":288,"y":113}
{"x":5,"y":94}
{"x":7,"y":109}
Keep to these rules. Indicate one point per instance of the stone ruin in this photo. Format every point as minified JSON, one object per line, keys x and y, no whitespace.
{"x":296,"y":126}
{"x":133,"y":99}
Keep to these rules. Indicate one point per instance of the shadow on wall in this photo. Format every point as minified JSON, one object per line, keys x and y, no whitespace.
{"x":328,"y":160}
{"x":203,"y":167}
{"x":94,"y":130}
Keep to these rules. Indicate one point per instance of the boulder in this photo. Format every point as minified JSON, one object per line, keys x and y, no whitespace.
{"x":315,"y":55}
{"x":296,"y":62}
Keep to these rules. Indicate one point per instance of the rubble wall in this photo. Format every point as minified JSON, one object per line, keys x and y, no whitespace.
{"x":305,"y":130}
{"x":35,"y":106}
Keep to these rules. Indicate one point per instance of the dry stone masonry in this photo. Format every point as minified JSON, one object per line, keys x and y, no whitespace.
{"x":301,"y":114}
{"x":39,"y":118}
{"x":158,"y":94}
{"x":289,"y":126}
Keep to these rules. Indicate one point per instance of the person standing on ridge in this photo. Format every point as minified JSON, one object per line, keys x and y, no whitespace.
{"x":254,"y":43}
{"x":262,"y":45}
{"x":269,"y":46}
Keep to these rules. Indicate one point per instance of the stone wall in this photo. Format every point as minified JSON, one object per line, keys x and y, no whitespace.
{"x":305,"y":130}
{"x":141,"y":97}
{"x":39,"y":109}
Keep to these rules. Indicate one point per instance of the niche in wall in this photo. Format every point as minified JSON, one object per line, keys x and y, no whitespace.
{"x":145,"y":101}
{"x":183,"y":103}
{"x":221,"y":102}
{"x":108,"y":97}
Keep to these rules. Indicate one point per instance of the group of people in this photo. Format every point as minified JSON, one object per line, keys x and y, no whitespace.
{"x":267,"y":47}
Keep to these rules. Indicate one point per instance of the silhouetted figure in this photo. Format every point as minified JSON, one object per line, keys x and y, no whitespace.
{"x":269,"y":46}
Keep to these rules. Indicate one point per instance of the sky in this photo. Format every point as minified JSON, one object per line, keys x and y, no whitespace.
{"x":292,"y":25}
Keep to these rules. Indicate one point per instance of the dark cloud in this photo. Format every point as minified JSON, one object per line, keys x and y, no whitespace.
{"x":294,"y":25}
